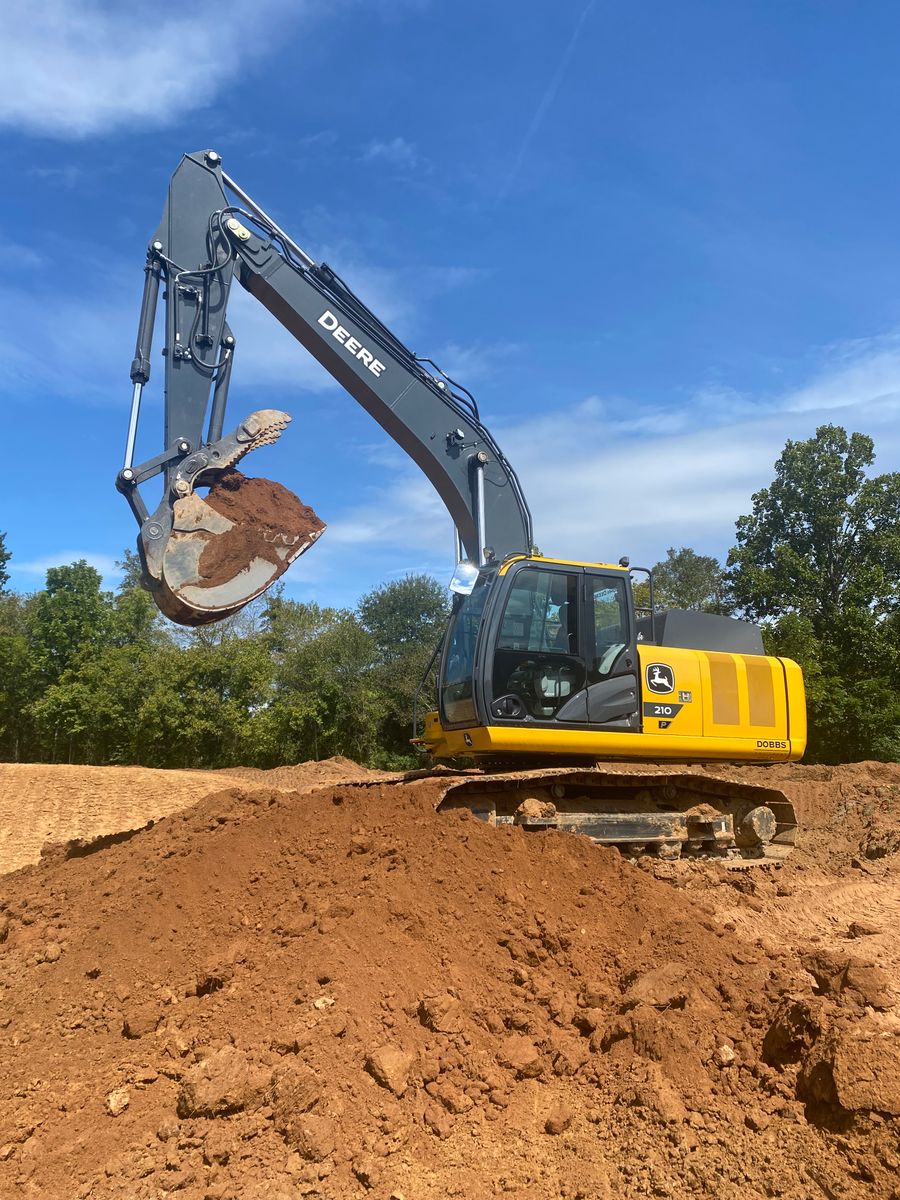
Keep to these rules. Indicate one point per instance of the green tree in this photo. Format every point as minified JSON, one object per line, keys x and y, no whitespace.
{"x":19,"y":680}
{"x":69,"y":617}
{"x":818,"y":562}
{"x":409,"y":612}
{"x":135,"y":619}
{"x":823,"y":538}
{"x":685,"y":579}
{"x":406,"y":619}
{"x":5,"y":556}
{"x":92,"y":714}
{"x":324,"y":698}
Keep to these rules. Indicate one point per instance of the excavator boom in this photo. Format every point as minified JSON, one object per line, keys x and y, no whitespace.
{"x":203,"y":242}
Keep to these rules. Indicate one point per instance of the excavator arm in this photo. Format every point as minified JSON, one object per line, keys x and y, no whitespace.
{"x":206,"y":558}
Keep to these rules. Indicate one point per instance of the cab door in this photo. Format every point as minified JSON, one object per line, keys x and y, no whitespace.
{"x":611,"y":693}
{"x":537,"y":663}
{"x":562,"y":649}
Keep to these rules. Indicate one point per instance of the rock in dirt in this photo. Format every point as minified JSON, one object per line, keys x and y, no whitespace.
{"x":442,"y":1013}
{"x":857,"y":1068}
{"x":533,"y":809}
{"x":296,"y":1090}
{"x":859,"y":929}
{"x":797,"y":1026}
{"x":665,"y":986}
{"x":226,"y":1082}
{"x":849,"y":979}
{"x":389,"y":1066}
{"x":651,"y":1090}
{"x":312,"y":1136}
{"x":438,"y":1121}
{"x":117,"y":1101}
{"x":520,"y":1055}
{"x":140,"y":1020}
{"x":558,"y":1120}
{"x":217,"y":1147}
{"x":724,"y":1055}
{"x":757,"y":1120}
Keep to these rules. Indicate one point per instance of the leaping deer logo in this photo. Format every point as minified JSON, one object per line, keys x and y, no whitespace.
{"x":660,"y":678}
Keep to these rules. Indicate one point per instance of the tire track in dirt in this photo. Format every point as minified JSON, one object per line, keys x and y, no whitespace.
{"x":40,"y":804}
{"x":822,"y":914}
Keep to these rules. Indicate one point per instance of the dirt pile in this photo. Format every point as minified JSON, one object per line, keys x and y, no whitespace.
{"x":40,"y":804}
{"x":47,"y":804}
{"x":267,"y":518}
{"x":306,"y":775}
{"x":339,"y":993}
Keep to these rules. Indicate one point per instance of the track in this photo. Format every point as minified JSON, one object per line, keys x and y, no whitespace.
{"x":641,"y":811}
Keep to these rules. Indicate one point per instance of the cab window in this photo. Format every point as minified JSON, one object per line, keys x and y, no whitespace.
{"x":537,"y":664}
{"x":610,"y":615}
{"x":541,"y":613}
{"x":457,"y":685}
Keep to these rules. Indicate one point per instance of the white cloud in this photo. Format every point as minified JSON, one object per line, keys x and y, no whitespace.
{"x":73,"y":68}
{"x":468,"y":364}
{"x":864,"y":373}
{"x":104,"y":563}
{"x":605,"y":477}
{"x":397,"y":152}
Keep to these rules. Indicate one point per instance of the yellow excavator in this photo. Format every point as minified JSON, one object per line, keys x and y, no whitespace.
{"x":548,"y":672}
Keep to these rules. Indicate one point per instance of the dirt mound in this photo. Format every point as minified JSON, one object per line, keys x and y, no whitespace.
{"x":41,"y":804}
{"x":306,"y":775}
{"x":341,"y":993}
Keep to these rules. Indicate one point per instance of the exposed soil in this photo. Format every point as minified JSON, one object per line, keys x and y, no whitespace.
{"x":41,"y":804}
{"x":266,"y":517}
{"x":325,"y":988}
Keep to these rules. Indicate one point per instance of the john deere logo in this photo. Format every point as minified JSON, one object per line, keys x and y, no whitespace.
{"x":660,"y":678}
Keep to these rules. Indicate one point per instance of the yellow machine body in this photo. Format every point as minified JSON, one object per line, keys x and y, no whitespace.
{"x":723,"y":706}
{"x":742,"y":707}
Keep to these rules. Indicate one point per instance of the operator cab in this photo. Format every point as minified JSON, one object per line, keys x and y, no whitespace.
{"x":543,"y":643}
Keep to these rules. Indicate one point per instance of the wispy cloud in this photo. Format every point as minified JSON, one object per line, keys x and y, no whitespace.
{"x":472,"y":363}
{"x":104,"y":563}
{"x":19,"y":256}
{"x":547,"y":99}
{"x":321,"y":138}
{"x":73,"y":68}
{"x":612,"y":476}
{"x":397,"y":153}
{"x":863,"y":373}
{"x":102,"y":309}
{"x":68,"y":175}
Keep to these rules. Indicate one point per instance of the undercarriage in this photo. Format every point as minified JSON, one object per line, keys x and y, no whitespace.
{"x":668,"y":815}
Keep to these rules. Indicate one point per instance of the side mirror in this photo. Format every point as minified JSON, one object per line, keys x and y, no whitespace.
{"x":464,"y":578}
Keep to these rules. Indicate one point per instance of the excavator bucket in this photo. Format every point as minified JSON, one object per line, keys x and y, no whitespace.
{"x":224,"y":550}
{"x":205,"y":557}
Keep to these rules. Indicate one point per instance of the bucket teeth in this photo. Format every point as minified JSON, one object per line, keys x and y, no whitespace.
{"x":261,"y":428}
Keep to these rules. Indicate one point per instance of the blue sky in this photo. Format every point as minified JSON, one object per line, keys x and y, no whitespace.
{"x":655,"y":239}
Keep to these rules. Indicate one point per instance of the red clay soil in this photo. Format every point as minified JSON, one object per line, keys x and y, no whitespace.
{"x":339,"y":993}
{"x":265,"y":514}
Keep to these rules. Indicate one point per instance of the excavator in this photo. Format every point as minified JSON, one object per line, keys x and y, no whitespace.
{"x":582,"y":709}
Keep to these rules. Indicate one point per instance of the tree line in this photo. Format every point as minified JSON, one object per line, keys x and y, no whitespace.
{"x":88,"y":675}
{"x":93,"y":676}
